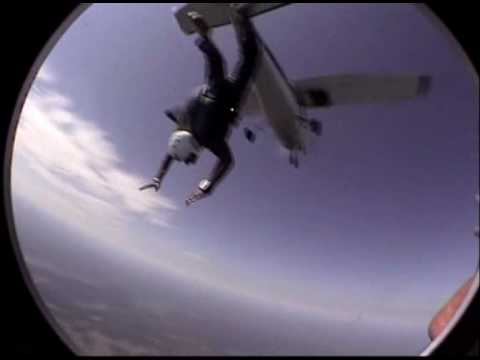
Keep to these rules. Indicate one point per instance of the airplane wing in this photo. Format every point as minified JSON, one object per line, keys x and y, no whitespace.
{"x":349,"y":89}
{"x":217,"y":14}
{"x":335,"y":90}
{"x":251,"y":105}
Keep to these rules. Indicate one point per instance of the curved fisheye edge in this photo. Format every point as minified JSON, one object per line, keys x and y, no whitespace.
{"x":456,"y":318}
{"x":473,"y":291}
{"x":8,"y":206}
{"x":469,"y":298}
{"x":67,"y":22}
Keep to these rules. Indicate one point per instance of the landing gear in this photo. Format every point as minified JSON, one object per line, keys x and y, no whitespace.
{"x":293,"y":159}
{"x":249,"y":134}
{"x":314,"y":125}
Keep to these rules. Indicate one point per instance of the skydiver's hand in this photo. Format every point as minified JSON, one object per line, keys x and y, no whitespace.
{"x":198,"y":194}
{"x":155,"y":184}
{"x":199,"y":23}
{"x":239,"y":13}
{"x":240,"y":9}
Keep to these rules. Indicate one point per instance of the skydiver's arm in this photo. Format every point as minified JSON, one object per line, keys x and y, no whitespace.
{"x":224,"y":164}
{"x":219,"y":171}
{"x":167,"y":161}
{"x":157,"y":180}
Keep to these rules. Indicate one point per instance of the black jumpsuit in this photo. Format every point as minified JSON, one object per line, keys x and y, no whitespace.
{"x":210,"y":115}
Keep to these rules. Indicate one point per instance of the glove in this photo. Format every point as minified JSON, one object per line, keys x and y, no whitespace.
{"x":196,"y":195}
{"x":204,"y":189}
{"x":199,"y":23}
{"x":155,"y":184}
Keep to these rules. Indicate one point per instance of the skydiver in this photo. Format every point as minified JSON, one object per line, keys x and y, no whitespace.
{"x":205,"y":120}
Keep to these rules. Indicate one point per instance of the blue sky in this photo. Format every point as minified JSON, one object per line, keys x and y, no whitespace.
{"x":361,"y":235}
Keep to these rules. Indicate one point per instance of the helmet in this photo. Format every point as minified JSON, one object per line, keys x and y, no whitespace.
{"x":182,"y":146}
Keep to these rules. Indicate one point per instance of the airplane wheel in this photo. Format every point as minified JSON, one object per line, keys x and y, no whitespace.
{"x":316,"y":127}
{"x":249,"y":134}
{"x":294,"y":160}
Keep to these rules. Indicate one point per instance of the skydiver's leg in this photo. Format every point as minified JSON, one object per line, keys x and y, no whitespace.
{"x":214,"y":70}
{"x":248,"y":54}
{"x":214,"y":67}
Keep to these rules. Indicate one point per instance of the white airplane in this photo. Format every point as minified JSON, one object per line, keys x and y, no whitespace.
{"x":284,"y":101}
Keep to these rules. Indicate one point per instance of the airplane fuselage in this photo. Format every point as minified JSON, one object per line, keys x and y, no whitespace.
{"x":277,"y":99}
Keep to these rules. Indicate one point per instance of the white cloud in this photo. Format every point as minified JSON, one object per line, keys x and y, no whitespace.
{"x":66,"y":165}
{"x":35,"y":263}
{"x":196,"y":256}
